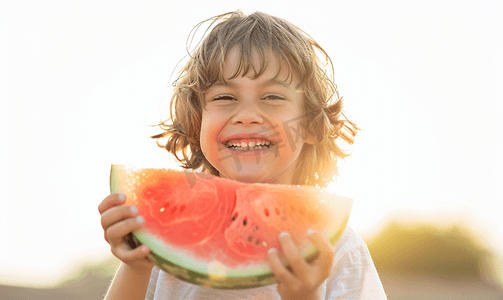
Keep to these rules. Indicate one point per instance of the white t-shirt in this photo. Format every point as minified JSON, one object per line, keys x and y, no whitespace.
{"x":353,"y":276}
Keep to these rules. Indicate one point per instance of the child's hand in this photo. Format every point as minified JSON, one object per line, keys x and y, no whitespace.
{"x":301,"y":280}
{"x":118,"y":221}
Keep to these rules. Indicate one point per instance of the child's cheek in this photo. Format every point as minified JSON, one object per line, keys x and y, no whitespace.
{"x":209,"y":138}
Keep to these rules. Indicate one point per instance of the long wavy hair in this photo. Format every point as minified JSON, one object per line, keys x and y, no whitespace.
{"x":263,"y":35}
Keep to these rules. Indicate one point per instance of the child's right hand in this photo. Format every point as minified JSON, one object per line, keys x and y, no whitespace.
{"x":118,"y":220}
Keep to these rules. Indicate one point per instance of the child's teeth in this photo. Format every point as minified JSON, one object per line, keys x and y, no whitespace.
{"x":250,"y":145}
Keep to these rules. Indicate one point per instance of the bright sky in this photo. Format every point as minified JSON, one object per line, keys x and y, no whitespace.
{"x":80,"y":80}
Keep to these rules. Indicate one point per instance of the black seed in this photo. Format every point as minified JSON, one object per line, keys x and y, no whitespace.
{"x":244,"y":222}
{"x":233,"y":218}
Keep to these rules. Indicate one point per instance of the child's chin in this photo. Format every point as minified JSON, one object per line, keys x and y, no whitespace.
{"x":248,"y":175}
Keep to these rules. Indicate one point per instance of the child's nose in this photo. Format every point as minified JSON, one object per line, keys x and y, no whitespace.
{"x":248,"y":115}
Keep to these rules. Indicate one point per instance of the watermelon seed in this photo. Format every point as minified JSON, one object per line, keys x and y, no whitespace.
{"x":244,"y":221}
{"x":250,"y":239}
{"x":235,"y":216}
{"x":257,"y":241}
{"x":255,"y":228}
{"x":182,"y":208}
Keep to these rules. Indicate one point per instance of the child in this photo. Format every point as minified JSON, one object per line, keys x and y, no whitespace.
{"x":254,"y":105}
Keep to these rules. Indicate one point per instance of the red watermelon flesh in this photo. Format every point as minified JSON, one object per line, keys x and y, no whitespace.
{"x":216,"y":232}
{"x":258,"y":222}
{"x":184,"y":214}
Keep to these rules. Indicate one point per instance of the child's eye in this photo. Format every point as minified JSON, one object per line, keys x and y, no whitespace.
{"x":224,"y":97}
{"x":273,"y":97}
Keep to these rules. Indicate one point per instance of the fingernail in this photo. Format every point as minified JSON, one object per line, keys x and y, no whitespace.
{"x":310,"y":231}
{"x":122,"y":197}
{"x":134,"y":209}
{"x":139,"y":219}
{"x":283,"y":234}
{"x":272,"y":250}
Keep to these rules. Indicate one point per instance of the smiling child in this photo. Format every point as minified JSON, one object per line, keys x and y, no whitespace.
{"x":253,"y":104}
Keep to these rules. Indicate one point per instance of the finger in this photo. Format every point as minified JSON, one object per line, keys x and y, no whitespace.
{"x":117,"y":214}
{"x":325,"y":251}
{"x":293,"y":256}
{"x":281,"y":273}
{"x":126,"y":254}
{"x":111,"y":201}
{"x":116,"y":233}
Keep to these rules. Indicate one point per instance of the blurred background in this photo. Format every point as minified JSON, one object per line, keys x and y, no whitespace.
{"x":81,"y":81}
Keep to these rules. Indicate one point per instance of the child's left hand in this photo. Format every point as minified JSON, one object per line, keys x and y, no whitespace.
{"x":302,"y":279}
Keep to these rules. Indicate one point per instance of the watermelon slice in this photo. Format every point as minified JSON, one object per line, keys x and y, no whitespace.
{"x":216,"y":232}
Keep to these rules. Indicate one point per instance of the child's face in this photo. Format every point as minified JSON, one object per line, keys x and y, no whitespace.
{"x":246,"y":113}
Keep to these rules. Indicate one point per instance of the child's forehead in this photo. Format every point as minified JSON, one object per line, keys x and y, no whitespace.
{"x":263,"y":65}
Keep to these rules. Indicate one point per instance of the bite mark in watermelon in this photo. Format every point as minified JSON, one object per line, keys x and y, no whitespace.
{"x":216,"y":232}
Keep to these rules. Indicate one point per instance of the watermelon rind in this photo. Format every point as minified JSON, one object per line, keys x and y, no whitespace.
{"x":214,"y":274}
{"x":190,"y":271}
{"x":178,"y":265}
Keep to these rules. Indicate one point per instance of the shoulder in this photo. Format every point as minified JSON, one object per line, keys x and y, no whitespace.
{"x":352,"y":250}
{"x":349,"y":242}
{"x":353,"y":274}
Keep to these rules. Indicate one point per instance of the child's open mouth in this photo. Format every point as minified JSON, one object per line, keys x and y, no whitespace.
{"x":248,"y":145}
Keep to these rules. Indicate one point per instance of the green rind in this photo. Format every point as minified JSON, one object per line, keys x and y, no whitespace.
{"x":212,"y":268}
{"x":182,"y":271}
{"x":114,"y":187}
{"x":205,"y":279}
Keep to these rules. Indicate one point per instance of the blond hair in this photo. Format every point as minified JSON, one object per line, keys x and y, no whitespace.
{"x":262,"y":35}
